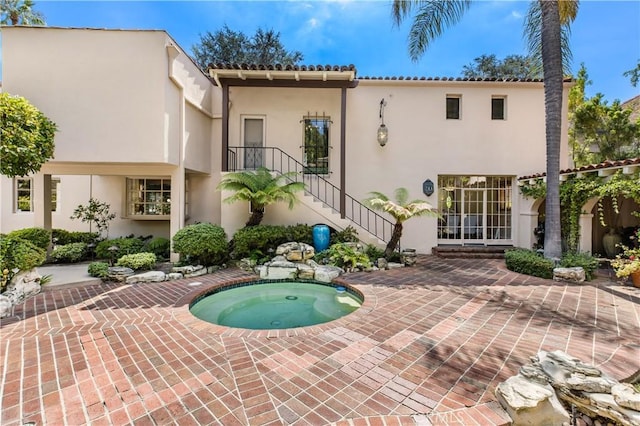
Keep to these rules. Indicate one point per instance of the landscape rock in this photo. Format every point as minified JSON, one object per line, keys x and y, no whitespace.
{"x":5,"y":306}
{"x":575,"y":274}
{"x":305,"y":272}
{"x":119,"y":273}
{"x":188,"y":269}
{"x":147,"y":277}
{"x":295,"y":251}
{"x":576,"y":384}
{"x":174,"y":276}
{"x":394,"y":265}
{"x":277,"y":272}
{"x":382,"y":263}
{"x":626,"y":396}
{"x":22,"y":286}
{"x":327,"y":273}
{"x":529,"y":403}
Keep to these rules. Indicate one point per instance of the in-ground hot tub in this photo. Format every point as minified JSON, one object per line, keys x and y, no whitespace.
{"x":276,"y":304}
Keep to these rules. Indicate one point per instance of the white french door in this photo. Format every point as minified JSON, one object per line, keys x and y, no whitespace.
{"x":474,"y":210}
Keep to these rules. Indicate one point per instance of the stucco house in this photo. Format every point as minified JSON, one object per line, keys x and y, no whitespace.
{"x":142,"y":128}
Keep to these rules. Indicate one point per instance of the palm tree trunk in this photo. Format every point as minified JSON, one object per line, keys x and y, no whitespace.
{"x":552,"y":72}
{"x":255,"y":218}
{"x":395,"y":239}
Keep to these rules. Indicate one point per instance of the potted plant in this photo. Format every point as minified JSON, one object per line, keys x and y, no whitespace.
{"x":628,"y":263}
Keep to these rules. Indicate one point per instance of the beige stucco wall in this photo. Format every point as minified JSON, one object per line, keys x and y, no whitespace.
{"x":422,"y":142}
{"x":127,"y":104}
{"x":132,"y":104}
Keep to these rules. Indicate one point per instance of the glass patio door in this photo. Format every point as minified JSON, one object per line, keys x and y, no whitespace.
{"x":473,"y":208}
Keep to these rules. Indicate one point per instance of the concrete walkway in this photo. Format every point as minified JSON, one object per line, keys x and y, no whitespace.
{"x":67,"y":275}
{"x":429,"y":346}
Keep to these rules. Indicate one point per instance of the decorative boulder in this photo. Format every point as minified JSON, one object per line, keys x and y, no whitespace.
{"x":23,"y":286}
{"x":529,"y":403}
{"x":626,"y":396}
{"x":575,"y":274}
{"x":326,"y":274}
{"x":119,"y":273}
{"x":383,"y":263}
{"x":147,"y":277}
{"x":5,"y":306}
{"x":305,"y":272}
{"x":296,"y":251}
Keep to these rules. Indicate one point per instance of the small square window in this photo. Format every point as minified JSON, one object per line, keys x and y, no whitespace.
{"x":453,"y":107}
{"x":497,"y":108}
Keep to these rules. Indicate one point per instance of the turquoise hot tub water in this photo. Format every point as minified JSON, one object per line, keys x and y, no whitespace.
{"x":261,"y":305}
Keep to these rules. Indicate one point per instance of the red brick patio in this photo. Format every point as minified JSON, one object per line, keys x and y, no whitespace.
{"x":429,"y":346}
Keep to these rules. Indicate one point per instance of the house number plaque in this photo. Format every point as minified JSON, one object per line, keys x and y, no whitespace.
{"x":427,"y":187}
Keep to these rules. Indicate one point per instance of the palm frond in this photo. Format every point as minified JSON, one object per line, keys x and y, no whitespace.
{"x":533,"y":33}
{"x":432,"y":18}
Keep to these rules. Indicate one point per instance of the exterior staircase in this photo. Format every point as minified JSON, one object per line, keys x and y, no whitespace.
{"x":338,"y":209}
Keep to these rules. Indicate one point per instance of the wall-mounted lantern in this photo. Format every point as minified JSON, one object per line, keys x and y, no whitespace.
{"x":383,"y":132}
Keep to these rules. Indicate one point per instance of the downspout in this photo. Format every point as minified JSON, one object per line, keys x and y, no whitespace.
{"x":225,"y":128}
{"x":343,"y":153}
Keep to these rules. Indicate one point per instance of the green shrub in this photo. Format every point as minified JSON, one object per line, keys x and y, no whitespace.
{"x":373,"y":252}
{"x":528,"y":262}
{"x":138,"y":261}
{"x":256,"y":241}
{"x":63,"y":237}
{"x":300,"y":233}
{"x":202,"y":243}
{"x":347,"y":235}
{"x":125,"y":246}
{"x":69,"y":253}
{"x":99,"y":269}
{"x":159,"y":246}
{"x":38,"y":236}
{"x":346,"y":255}
{"x":585,"y":260}
{"x":17,"y":255}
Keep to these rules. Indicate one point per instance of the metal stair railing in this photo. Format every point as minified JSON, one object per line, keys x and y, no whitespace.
{"x":275,"y":159}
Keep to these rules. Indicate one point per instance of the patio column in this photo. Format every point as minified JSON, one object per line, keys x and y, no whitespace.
{"x":42,"y":200}
{"x":586,"y":229}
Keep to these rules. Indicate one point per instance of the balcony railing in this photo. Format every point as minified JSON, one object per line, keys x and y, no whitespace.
{"x":273,"y":158}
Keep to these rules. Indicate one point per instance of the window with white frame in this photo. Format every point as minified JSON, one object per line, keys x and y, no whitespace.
{"x":149,"y":197}
{"x":453,"y":107}
{"x":498,"y":107}
{"x":55,"y":194}
{"x":23,"y":195}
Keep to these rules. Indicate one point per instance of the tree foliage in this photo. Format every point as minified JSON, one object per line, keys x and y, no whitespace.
{"x":401,"y":209}
{"x":26,"y":137}
{"x":512,"y":66}
{"x":598,"y":131}
{"x":260,"y":188}
{"x":234,"y":47}
{"x":19,"y":12}
{"x":633,"y":74}
{"x":97,"y":212}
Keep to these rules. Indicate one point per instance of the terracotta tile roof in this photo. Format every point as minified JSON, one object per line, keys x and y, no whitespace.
{"x":531,"y":80}
{"x":281,"y":67}
{"x":351,"y":67}
{"x":590,"y":168}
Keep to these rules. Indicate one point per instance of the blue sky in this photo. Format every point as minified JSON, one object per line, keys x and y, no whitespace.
{"x":605,"y":36}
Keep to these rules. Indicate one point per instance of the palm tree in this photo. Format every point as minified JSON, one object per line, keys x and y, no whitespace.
{"x":546,"y":30}
{"x":19,"y":12}
{"x":401,"y":210}
{"x":260,"y":188}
